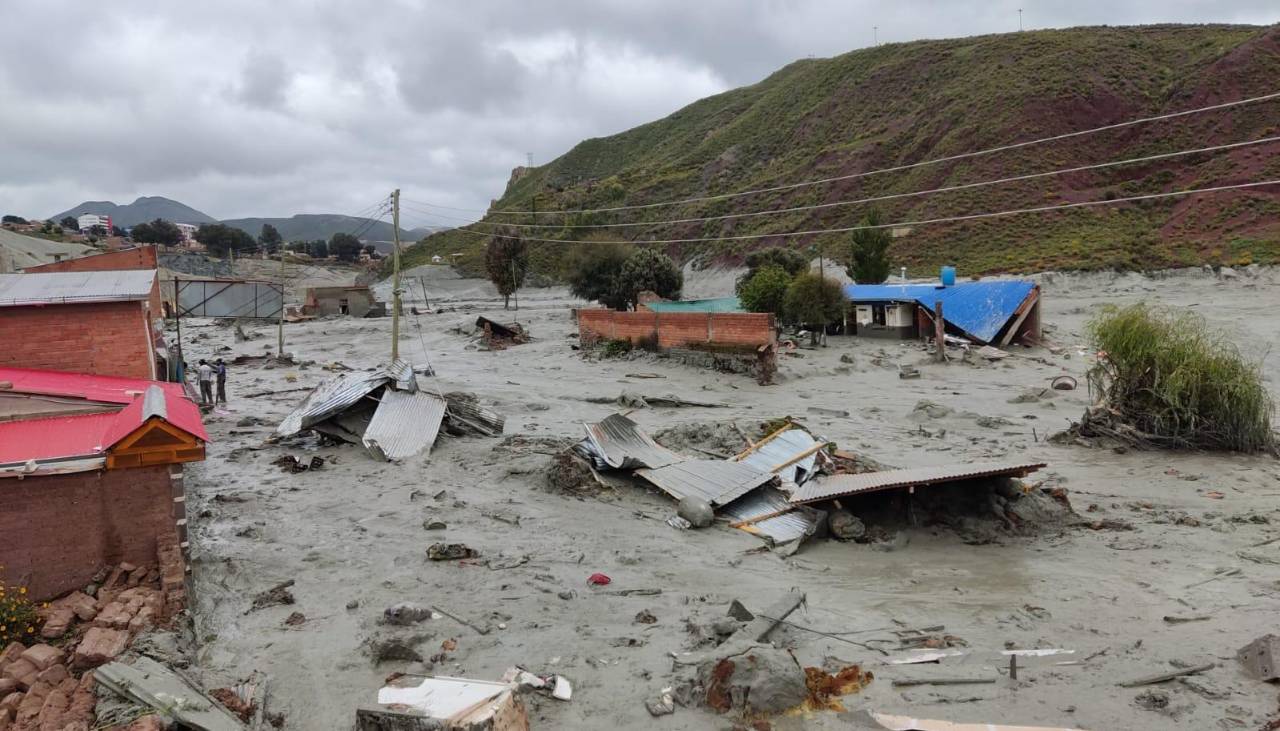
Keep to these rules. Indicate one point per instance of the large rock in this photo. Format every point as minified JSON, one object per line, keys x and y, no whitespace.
{"x":760,"y":680}
{"x":846,"y":526}
{"x":99,"y":645}
{"x":697,"y":511}
{"x":44,"y":656}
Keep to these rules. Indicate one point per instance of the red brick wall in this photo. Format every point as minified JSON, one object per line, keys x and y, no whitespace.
{"x":57,"y":530}
{"x":105,"y":338}
{"x":142,"y":257}
{"x":676,"y":329}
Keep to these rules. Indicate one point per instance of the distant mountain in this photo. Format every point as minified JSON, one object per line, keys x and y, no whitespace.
{"x":301,"y":227}
{"x":311,"y":226}
{"x":146,"y":208}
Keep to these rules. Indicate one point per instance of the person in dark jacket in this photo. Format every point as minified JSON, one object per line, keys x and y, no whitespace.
{"x":220,"y":370}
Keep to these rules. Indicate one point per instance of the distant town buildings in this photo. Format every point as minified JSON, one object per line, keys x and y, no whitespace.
{"x":87,"y":221}
{"x":188,"y":232}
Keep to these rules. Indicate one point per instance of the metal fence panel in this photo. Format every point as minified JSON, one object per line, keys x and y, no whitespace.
{"x":213,"y":298}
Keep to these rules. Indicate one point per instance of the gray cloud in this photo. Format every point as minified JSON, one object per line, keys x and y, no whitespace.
{"x":248,"y":108}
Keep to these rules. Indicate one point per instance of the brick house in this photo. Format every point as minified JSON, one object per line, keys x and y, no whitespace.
{"x":91,"y":476}
{"x":138,"y":257}
{"x":98,"y":322}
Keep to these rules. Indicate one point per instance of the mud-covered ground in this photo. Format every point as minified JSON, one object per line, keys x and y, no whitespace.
{"x":353,"y":532}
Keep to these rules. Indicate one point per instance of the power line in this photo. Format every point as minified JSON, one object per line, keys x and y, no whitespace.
{"x":908,"y":166}
{"x":901,"y":224}
{"x":879,"y":198}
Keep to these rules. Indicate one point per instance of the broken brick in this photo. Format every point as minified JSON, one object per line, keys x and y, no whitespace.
{"x":53,"y":710}
{"x":22,"y":671}
{"x":43,"y":656}
{"x":82,"y":604}
{"x":115,"y":615}
{"x":99,"y":645}
{"x":58,"y":622}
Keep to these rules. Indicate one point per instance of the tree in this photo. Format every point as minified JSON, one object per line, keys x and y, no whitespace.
{"x":869,"y":252}
{"x":117,"y":231}
{"x":814,"y":300}
{"x":594,"y":272}
{"x":371,"y":250}
{"x":220,"y":239}
{"x":98,"y":230}
{"x":652,"y":271}
{"x":318,"y":249}
{"x":506,"y":259}
{"x":766,"y":291}
{"x":158,"y":231}
{"x":270,"y":239}
{"x":10,"y":218}
{"x":69,"y":222}
{"x":789,"y":260}
{"x":344,"y":246}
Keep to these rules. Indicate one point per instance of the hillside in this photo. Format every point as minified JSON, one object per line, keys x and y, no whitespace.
{"x":902,"y":103}
{"x":146,"y":208}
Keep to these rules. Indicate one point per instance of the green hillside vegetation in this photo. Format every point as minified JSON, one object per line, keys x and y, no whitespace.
{"x":901,"y":103}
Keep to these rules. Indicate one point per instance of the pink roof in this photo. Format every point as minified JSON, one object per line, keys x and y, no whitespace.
{"x":90,"y":435}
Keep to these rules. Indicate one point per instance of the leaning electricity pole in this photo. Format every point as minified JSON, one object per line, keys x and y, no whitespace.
{"x":395,"y":280}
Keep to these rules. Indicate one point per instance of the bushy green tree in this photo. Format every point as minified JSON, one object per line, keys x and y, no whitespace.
{"x":318,"y":249}
{"x":789,"y":260}
{"x":649,"y":270}
{"x":815,"y":301}
{"x":270,"y":239}
{"x":158,"y":231}
{"x":869,"y":252}
{"x":593,"y":272}
{"x":506,"y":261}
{"x":10,"y":218}
{"x":220,"y":239}
{"x":69,"y":222}
{"x":766,"y":291}
{"x":344,"y":247}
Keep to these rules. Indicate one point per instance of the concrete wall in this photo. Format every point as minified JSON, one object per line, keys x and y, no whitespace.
{"x":104,"y":338}
{"x":56,"y":531}
{"x":744,"y":330}
{"x":328,"y":301}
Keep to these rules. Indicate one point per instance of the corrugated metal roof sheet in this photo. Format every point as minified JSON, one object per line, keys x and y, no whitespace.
{"x":75,"y":287}
{"x":786,"y":524}
{"x":719,"y":304}
{"x":781,"y":448}
{"x":331,"y":397}
{"x":836,"y":486}
{"x":621,"y":444}
{"x":404,"y":424}
{"x":979,"y":309}
{"x":715,"y":480}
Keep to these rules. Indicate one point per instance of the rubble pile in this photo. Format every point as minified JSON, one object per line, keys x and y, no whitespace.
{"x":49,"y":686}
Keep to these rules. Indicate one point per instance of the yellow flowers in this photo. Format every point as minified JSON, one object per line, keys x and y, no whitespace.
{"x":18,"y":615}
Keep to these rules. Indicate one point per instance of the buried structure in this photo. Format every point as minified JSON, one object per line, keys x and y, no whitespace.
{"x":789,"y":486}
{"x":987,"y":313}
{"x":386,"y":411}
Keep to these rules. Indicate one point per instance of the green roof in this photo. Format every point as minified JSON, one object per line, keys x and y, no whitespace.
{"x":720,"y":304}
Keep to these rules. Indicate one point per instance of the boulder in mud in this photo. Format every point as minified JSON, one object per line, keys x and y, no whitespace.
{"x":930,"y":410}
{"x":759,"y":680}
{"x":404,"y":614}
{"x":846,"y":526}
{"x":697,"y":511}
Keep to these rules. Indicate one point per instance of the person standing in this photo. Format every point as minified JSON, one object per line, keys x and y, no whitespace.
{"x":220,"y":371}
{"x":205,"y":372}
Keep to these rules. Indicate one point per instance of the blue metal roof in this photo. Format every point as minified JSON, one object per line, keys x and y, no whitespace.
{"x":721,"y":304}
{"x":979,"y":309}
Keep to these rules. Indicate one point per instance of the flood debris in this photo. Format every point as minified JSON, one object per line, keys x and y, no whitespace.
{"x":290,"y":463}
{"x":499,"y":335}
{"x":907,"y":723}
{"x":151,"y":684}
{"x":445,"y":703}
{"x":405,"y":613}
{"x":275,"y":596}
{"x":450,"y":551}
{"x":1164,"y":677}
{"x":383,"y":410}
{"x":1261,"y":657}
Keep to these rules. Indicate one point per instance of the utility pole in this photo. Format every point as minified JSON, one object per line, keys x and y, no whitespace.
{"x":395,"y":281}
{"x":875,"y":35}
{"x":1019,"y":20}
{"x":280,"y":325}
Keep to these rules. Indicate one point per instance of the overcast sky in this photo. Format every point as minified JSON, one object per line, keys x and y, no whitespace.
{"x":253,"y":108}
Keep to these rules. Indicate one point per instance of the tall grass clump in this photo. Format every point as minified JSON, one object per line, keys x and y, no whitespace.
{"x":1167,"y":380}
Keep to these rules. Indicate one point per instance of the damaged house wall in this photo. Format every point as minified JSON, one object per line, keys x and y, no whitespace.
{"x":60,"y":529}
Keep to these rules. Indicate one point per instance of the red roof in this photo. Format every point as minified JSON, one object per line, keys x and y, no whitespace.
{"x":107,"y":389}
{"x":89,"y":435}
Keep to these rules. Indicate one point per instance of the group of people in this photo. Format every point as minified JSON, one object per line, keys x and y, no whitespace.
{"x":206,"y":374}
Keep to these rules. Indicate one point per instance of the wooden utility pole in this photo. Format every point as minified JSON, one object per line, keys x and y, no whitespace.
{"x":395,"y":280}
{"x":280,"y":325}
{"x":939,"y":333}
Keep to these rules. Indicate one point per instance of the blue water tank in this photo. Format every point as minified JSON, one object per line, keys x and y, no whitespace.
{"x":948,"y":276}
